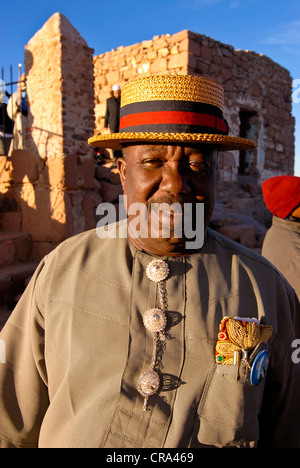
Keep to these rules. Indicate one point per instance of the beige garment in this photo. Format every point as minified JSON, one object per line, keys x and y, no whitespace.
{"x":14,"y":111}
{"x":282,"y":248}
{"x":76,"y":346}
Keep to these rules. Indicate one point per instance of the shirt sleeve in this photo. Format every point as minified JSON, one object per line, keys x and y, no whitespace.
{"x":23,"y":377}
{"x":280,"y":416}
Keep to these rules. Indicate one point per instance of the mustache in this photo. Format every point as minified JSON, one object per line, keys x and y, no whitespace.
{"x":171,"y":199}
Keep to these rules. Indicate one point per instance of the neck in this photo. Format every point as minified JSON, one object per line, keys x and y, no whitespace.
{"x":165,"y":249}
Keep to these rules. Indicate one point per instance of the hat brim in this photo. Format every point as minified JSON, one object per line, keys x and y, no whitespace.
{"x":115,"y":141}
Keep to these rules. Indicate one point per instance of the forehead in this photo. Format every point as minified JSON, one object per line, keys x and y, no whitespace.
{"x":164,"y":149}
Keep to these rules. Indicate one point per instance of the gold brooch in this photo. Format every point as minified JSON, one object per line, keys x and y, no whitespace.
{"x":237,"y":336}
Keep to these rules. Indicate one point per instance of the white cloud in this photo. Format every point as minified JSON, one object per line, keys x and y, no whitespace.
{"x":288,"y":34}
{"x":230,"y":4}
{"x":202,"y":3}
{"x":234,"y":4}
{"x":227,"y":4}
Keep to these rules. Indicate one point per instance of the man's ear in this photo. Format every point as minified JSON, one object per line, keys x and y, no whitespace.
{"x":122,"y":166}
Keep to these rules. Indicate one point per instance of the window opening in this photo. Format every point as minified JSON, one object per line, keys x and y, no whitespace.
{"x":248,"y":129}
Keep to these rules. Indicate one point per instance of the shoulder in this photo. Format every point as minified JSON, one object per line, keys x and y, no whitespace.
{"x":231,"y":247}
{"x":231,"y":252}
{"x":91,"y":247}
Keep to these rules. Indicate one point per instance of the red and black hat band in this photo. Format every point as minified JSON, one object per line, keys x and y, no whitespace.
{"x":172,"y":117}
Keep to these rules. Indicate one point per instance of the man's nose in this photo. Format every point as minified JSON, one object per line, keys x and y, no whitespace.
{"x":175,"y":180}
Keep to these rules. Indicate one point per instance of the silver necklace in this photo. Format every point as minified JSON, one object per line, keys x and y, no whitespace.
{"x":155,"y":320}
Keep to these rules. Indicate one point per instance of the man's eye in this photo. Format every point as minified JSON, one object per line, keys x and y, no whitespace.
{"x":199,"y":166}
{"x":153,"y":162}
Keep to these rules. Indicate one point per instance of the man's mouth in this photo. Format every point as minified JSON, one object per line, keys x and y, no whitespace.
{"x":166,"y":214}
{"x":166,"y":219}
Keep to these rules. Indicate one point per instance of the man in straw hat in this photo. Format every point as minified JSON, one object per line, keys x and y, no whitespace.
{"x":130,"y":338}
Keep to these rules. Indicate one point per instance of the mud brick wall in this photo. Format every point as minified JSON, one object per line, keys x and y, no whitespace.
{"x":259,"y":87}
{"x":51,"y":182}
{"x":257,"y":94}
{"x":162,"y":54}
{"x":51,"y":188}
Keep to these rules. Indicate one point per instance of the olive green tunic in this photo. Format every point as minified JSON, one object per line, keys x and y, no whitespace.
{"x":282,"y":248}
{"x":76,"y":346}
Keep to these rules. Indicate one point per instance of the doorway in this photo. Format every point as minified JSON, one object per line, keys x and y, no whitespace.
{"x":248,"y":129}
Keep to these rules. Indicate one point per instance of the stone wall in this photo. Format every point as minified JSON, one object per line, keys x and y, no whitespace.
{"x":260,"y":89}
{"x":257,"y":94}
{"x":49,"y":187}
{"x":163,"y":54}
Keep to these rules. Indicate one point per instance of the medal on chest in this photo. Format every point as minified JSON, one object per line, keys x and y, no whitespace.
{"x":237,"y":338}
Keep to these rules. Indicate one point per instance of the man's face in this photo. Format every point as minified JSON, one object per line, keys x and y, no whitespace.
{"x":154,"y":174}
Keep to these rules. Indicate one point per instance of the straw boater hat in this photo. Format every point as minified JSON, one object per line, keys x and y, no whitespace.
{"x":172,"y":109}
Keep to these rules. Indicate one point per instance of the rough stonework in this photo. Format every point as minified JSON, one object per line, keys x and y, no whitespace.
{"x":51,"y":189}
{"x":52,"y":181}
{"x":257,"y":94}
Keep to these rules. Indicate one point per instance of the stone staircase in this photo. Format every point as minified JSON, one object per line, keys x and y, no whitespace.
{"x":16,"y":269}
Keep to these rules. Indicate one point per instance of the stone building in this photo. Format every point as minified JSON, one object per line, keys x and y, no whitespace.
{"x":50,"y":190}
{"x":257,"y":94}
{"x":47,"y":190}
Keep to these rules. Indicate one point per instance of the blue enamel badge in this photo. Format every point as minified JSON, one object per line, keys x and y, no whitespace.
{"x":259,"y":368}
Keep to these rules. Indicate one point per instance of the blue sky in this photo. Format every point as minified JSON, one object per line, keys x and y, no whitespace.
{"x":271,"y":27}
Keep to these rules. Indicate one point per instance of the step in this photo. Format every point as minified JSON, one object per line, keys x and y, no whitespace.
{"x":13,"y":281}
{"x":15,"y":247}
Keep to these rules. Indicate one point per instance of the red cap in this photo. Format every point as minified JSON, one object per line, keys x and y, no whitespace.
{"x":282,"y":195}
